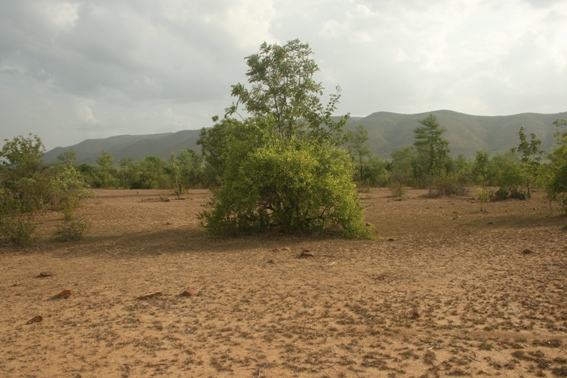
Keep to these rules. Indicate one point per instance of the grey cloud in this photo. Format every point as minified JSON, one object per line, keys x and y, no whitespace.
{"x":76,"y":69}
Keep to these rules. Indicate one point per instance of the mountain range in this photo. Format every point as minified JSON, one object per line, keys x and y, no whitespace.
{"x":386,"y":132}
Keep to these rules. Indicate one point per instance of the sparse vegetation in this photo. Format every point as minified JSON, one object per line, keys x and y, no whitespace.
{"x":28,"y":186}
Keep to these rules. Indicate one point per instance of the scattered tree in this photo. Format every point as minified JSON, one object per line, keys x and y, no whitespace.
{"x":432,"y":152}
{"x":281,"y":168}
{"x":556,"y":185}
{"x":481,"y":170}
{"x":402,"y":169}
{"x":530,"y":156}
{"x":29,"y":186}
{"x":359,"y":149}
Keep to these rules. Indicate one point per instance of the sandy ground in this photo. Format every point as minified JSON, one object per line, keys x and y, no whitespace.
{"x":444,"y":291}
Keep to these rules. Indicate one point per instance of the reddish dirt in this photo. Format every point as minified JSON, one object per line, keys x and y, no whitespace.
{"x":444,"y":291}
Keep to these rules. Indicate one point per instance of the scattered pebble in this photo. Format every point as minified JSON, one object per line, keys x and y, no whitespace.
{"x":35,"y":319}
{"x":151,"y":295}
{"x":64,"y":294}
{"x":187,"y":293}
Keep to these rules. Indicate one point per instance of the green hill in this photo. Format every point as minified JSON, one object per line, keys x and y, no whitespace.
{"x":466,"y":133}
{"x":387,"y":131}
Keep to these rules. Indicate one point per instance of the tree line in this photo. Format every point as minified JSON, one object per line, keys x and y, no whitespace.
{"x":427,"y":164}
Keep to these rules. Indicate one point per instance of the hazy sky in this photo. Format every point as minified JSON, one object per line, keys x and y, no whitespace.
{"x":74,"y":70}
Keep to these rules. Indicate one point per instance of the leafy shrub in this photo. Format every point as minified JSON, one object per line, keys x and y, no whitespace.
{"x":500,"y":195}
{"x":71,"y":229}
{"x":397,"y":189}
{"x":29,"y":186}
{"x":289,"y":186}
{"x":519,"y":194}
{"x":16,"y":226}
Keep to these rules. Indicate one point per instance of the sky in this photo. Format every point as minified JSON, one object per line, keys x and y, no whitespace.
{"x":76,"y":70}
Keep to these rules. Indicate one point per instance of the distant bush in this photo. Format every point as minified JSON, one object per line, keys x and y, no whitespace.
{"x":71,"y":229}
{"x":500,"y":195}
{"x":29,"y":186}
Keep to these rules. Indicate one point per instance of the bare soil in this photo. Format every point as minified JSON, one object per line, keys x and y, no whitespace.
{"x":445,"y":290}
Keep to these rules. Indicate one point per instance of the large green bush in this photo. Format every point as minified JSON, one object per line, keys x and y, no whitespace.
{"x":290,"y":186}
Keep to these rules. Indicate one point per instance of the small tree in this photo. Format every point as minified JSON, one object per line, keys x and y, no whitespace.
{"x":402,"y":169}
{"x":359,"y":150}
{"x":481,"y":170}
{"x":29,"y":186}
{"x":105,"y":173}
{"x":282,"y":168}
{"x":506,"y":173}
{"x":432,"y":152}
{"x":556,"y":185}
{"x":68,"y":157}
{"x":530,"y":156}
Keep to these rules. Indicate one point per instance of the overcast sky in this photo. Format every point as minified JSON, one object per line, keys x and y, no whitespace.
{"x":74,"y":70}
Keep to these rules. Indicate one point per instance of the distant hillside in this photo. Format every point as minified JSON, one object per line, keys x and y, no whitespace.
{"x":466,"y":133}
{"x":136,"y":147}
{"x":387,"y":131}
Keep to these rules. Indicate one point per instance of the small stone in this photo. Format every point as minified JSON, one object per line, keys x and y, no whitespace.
{"x":286,"y":249}
{"x":527,"y":251}
{"x":306,"y":253}
{"x":44,"y":274}
{"x":271,"y":261}
{"x":415,"y":313}
{"x":391,"y":239}
{"x":35,"y":319}
{"x":64,"y":294}
{"x":188,"y":293}
{"x":275,"y":250}
{"x":151,"y":295}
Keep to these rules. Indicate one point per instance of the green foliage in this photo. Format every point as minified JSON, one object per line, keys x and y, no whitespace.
{"x":283,"y":89}
{"x":481,"y":168}
{"x":359,"y":150}
{"x":68,"y":157}
{"x":289,"y":186}
{"x":432,"y":153}
{"x":402,"y":169}
{"x":29,"y":186}
{"x":455,"y":177}
{"x":105,"y":174}
{"x":185,"y":171}
{"x":505,"y":171}
{"x":70,"y":230}
{"x":556,"y":185}
{"x":376,"y":173}
{"x":16,"y":223}
{"x":23,"y":174}
{"x":281,"y":169}
{"x":67,"y":190}
{"x":191,"y":168}
{"x":530,"y":156}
